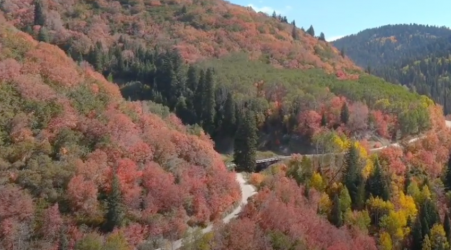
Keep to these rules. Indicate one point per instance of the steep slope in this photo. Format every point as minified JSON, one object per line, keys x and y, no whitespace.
{"x":416,"y":56}
{"x":199,"y":29}
{"x":389,"y":44}
{"x":211,"y":63}
{"x":77,"y":160}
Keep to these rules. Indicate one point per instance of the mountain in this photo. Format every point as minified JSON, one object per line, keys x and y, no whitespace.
{"x":198,"y":29}
{"x":87,"y":164}
{"x":66,"y":134}
{"x":206,"y":60}
{"x":416,"y":56}
{"x":389,"y":44}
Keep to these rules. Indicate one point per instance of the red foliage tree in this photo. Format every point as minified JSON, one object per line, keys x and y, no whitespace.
{"x":51,"y":223}
{"x":82,"y":195}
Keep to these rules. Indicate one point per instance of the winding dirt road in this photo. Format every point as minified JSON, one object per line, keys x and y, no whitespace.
{"x":248,"y":190}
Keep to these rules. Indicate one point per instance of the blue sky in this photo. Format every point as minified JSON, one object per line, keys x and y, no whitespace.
{"x":338,"y":18}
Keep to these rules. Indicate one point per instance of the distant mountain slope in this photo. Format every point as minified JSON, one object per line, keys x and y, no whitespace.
{"x":416,"y":56}
{"x":389,"y":44}
{"x":199,"y":29}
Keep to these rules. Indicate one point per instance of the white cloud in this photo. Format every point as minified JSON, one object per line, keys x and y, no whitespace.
{"x":264,"y":9}
{"x":333,"y":38}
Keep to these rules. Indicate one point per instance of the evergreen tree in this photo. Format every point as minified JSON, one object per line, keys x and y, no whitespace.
{"x":336,"y":217}
{"x":447,"y":227}
{"x":352,"y":177}
{"x":209,"y":103}
{"x":447,"y":180}
{"x":274,"y":14}
{"x":376,"y":184}
{"x":198,"y":96}
{"x":294,"y":31}
{"x":97,"y":58}
{"x":323,"y":120}
{"x":311,"y":31}
{"x":115,"y":213}
{"x":39,"y":15}
{"x":344,"y":114}
{"x":429,"y":215}
{"x":342,"y":52}
{"x":43,"y":35}
{"x":246,"y":142}
{"x":322,"y":37}
{"x":230,"y":115}
{"x":192,"y":78}
{"x":417,"y":235}
{"x":182,"y":111}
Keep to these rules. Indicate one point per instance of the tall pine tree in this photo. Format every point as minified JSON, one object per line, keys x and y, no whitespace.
{"x":447,"y":180}
{"x":352,"y":177}
{"x":198,"y":96}
{"x":322,"y":37}
{"x":115,"y":213}
{"x":447,"y":227}
{"x":336,"y":215}
{"x":417,"y":235}
{"x":311,"y":31}
{"x":344,"y":113}
{"x":245,"y":152}
{"x":230,"y":115}
{"x":294,"y":31}
{"x":377,"y":184}
{"x":39,"y":14}
{"x":209,"y":102}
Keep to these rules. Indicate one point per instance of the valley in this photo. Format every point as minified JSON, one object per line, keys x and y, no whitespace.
{"x":201,"y":124}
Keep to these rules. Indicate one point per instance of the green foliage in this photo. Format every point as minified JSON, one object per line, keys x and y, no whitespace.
{"x":336,"y":216}
{"x":412,"y":55}
{"x":322,"y":37}
{"x":115,"y":212}
{"x":39,"y":13}
{"x":377,"y":183}
{"x":352,"y":178}
{"x":447,"y":227}
{"x":246,"y":143}
{"x":85,"y":101}
{"x":447,"y":179}
{"x":344,"y":113}
{"x":91,"y":241}
{"x":311,"y":31}
{"x":43,"y":35}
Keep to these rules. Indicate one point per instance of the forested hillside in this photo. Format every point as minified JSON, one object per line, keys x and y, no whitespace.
{"x":82,"y":168}
{"x":416,"y":56}
{"x":77,"y":161}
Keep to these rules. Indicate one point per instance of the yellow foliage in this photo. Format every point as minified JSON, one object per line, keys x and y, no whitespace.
{"x":360,"y":219}
{"x":407,"y":204}
{"x":368,"y":169}
{"x":385,"y":241}
{"x":341,"y":142}
{"x":395,"y":224}
{"x":438,"y":237}
{"x":425,"y":194}
{"x":325,"y":204}
{"x":317,"y":181}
